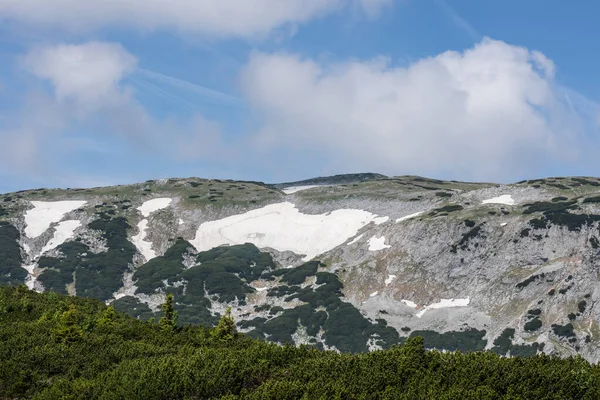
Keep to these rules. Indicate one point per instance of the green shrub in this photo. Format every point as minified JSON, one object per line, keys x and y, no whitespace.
{"x":11,"y":272}
{"x":563,"y":330}
{"x":463,"y":341}
{"x":533,"y":325}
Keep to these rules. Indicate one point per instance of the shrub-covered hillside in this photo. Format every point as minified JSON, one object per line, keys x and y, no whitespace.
{"x":59,"y":347}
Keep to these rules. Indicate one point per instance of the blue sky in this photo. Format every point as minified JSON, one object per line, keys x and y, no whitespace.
{"x":106,"y":92}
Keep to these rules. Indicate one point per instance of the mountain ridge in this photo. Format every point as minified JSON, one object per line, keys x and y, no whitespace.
{"x":462,"y":264}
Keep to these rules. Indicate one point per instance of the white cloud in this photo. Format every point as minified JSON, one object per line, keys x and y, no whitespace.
{"x":490,"y":112}
{"x":87,"y":74}
{"x":212,"y":17}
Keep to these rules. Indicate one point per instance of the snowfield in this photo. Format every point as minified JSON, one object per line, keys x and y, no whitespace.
{"x":153,"y":205}
{"x":45,"y":213}
{"x":444,"y":303}
{"x":139,"y":240}
{"x":409,"y":303}
{"x":377,"y":243}
{"x":64,"y":231}
{"x":294,"y":189}
{"x":282,"y":227}
{"x":504,"y":199}
{"x":409,"y":216}
{"x":31,"y":279}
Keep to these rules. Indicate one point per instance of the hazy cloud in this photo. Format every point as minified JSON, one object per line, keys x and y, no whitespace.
{"x":89,"y":99}
{"x":211,"y":17}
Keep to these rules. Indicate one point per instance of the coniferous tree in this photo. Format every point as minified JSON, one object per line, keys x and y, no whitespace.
{"x":225,"y":330}
{"x":108,"y":317}
{"x":68,"y":329}
{"x":169,"y":320}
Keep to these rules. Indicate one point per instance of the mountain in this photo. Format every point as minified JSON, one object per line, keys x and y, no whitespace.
{"x":351,"y":263}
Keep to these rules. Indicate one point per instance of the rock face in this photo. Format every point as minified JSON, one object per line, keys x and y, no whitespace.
{"x":351,"y":262}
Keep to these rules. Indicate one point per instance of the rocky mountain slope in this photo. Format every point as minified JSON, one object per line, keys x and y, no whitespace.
{"x":351,"y":262}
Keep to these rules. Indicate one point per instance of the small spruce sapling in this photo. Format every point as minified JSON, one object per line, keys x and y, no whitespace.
{"x":225,"y":330}
{"x":169,"y":320}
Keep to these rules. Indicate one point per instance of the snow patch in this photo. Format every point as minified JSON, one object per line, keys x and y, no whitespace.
{"x":444,"y":303}
{"x":389,"y":279}
{"x":139,"y":240}
{"x":282,"y":227}
{"x":153,"y":205}
{"x":128,"y":288}
{"x":45,"y":213}
{"x":503,"y":224}
{"x":294,"y":189}
{"x":409,"y":303}
{"x":377,"y":243}
{"x":181,"y":221}
{"x":62,"y":232}
{"x":356,"y":239}
{"x":381,"y":220}
{"x":504,"y":199}
{"x":31,"y":279}
{"x":374,"y":294}
{"x":409,"y":216}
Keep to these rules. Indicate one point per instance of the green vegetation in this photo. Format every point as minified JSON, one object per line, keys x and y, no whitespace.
{"x":533,"y":325}
{"x":593,"y":199}
{"x":503,"y":342}
{"x":446,"y":209}
{"x":563,"y":330}
{"x":58,"y":347}
{"x":11,"y":272}
{"x":95,"y":275}
{"x":295,"y":276}
{"x":558,"y":213}
{"x":223,"y":272}
{"x":464,"y":240}
{"x":583,"y":181}
{"x":468,"y":340}
{"x":530,"y":280}
{"x":149,"y":277}
{"x":503,"y":345}
{"x":132,"y":306}
{"x":344,"y":326}
{"x":334,"y":180}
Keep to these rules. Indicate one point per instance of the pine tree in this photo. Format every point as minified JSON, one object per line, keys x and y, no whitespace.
{"x":225,"y":330}
{"x":169,"y":320}
{"x":108,"y":317}
{"x":68,"y":329}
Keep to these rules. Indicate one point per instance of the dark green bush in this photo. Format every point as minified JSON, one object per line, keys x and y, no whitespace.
{"x":533,"y":325}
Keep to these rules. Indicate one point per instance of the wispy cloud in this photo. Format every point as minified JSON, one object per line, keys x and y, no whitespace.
{"x":207,"y":93}
{"x":459,"y":20}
